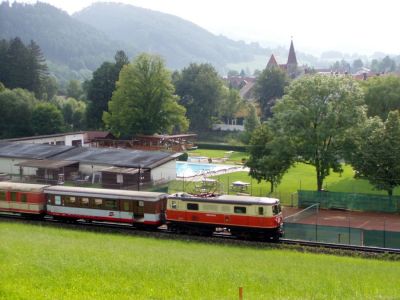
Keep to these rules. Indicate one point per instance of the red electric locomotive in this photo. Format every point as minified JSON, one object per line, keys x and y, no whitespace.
{"x":243,"y":216}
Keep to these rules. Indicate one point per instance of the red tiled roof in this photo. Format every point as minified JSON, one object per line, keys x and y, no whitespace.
{"x":272,"y":62}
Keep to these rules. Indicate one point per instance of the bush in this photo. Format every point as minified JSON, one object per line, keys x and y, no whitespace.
{"x":183,"y":157}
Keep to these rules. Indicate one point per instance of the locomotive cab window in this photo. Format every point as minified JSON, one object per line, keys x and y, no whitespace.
{"x":276,"y":209}
{"x":193,"y":206}
{"x":239,"y":209}
{"x":174,"y":205}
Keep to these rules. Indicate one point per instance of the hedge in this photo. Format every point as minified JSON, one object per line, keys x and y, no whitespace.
{"x":222,"y":147}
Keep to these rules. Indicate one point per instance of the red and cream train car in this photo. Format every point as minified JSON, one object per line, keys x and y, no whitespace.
{"x":22,"y":198}
{"x":121,"y":206}
{"x":243,"y":216}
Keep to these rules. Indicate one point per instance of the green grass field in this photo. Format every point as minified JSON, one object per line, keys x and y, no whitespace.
{"x":49,"y":263}
{"x":300,"y":176}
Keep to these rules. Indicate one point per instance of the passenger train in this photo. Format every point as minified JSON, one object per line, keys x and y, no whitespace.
{"x":241,"y":216}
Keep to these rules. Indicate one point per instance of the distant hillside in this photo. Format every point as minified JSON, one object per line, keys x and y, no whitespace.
{"x":180,"y":42}
{"x":74,"y":46}
{"x":65,"y":41}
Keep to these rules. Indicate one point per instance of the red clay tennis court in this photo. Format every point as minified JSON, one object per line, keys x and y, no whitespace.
{"x":340,"y":218}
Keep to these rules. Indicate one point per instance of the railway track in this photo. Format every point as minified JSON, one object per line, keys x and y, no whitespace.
{"x":217,"y":238}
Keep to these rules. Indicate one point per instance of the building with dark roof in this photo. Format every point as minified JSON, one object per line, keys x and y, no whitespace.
{"x":23,"y":159}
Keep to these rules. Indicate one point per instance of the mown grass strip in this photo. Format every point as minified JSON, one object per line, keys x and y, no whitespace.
{"x":49,"y":263}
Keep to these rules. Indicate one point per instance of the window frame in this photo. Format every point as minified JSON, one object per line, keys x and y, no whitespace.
{"x":192,"y":206}
{"x":239,"y":210}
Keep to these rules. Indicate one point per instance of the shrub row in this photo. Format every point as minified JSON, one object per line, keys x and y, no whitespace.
{"x":221,"y":147}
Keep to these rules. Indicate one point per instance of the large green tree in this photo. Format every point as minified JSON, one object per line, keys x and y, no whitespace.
{"x":269,"y":87}
{"x":22,"y":66}
{"x":144,"y":100}
{"x":47,"y":119}
{"x":200,"y":89}
{"x":231,"y":103}
{"x":73,"y":111}
{"x":101,"y":87}
{"x":268,"y":160}
{"x":382,"y":95}
{"x":375,"y":154}
{"x":251,"y":122}
{"x":16,"y":113}
{"x":316,"y":115}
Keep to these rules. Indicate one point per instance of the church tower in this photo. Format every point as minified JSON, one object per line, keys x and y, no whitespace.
{"x":292,"y":62}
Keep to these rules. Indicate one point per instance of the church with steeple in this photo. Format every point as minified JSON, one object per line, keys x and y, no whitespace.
{"x":291,"y":67}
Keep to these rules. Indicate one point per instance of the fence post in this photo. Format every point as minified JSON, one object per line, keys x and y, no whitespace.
{"x":240,"y":293}
{"x":349,"y":216}
{"x":384,"y":233}
{"x":316,"y":224}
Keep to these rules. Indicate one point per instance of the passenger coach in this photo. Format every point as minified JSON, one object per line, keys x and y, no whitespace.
{"x":243,"y":216}
{"x":106,"y":205}
{"x":22,"y":198}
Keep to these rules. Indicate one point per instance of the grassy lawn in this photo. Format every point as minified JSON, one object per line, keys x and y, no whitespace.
{"x":300,"y":176}
{"x":49,"y":263}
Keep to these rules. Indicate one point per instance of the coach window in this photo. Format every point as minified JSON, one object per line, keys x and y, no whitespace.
{"x":2,"y":195}
{"x":72,"y":200}
{"x":23,"y":197}
{"x":110,"y":204}
{"x":57,"y":200}
{"x":193,"y":206}
{"x":98,"y":203}
{"x":261,"y":211}
{"x":85,"y":202}
{"x":239,"y":209}
{"x":13,"y":196}
{"x":125,"y":205}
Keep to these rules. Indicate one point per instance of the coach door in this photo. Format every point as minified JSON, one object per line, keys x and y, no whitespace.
{"x":138,"y":209}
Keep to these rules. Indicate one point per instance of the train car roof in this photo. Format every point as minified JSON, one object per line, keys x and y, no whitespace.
{"x":105,"y":193}
{"x":22,"y":187}
{"x":226,"y":199}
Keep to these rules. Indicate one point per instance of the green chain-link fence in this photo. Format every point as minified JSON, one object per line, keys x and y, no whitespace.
{"x":349,"y":201}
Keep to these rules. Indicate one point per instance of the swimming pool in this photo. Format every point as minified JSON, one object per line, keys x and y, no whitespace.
{"x":185,"y":169}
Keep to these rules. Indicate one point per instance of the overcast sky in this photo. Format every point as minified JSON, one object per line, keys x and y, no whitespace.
{"x":362,"y":26}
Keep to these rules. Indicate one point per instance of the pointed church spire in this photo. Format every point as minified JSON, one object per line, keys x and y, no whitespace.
{"x":272,"y":62}
{"x":292,"y":60}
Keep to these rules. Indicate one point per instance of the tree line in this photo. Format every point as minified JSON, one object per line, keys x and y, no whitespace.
{"x":320,"y":120}
{"x":326,"y":121}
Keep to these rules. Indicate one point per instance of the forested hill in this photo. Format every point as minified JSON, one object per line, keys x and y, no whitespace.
{"x":64,"y":40}
{"x":76,"y":45}
{"x":180,"y":42}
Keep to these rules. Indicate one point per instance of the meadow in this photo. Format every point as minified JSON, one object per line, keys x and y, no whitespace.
{"x":40,"y":262}
{"x":299,"y":177}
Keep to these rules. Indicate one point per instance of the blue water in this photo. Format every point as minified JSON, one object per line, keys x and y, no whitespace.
{"x":184,"y":169}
